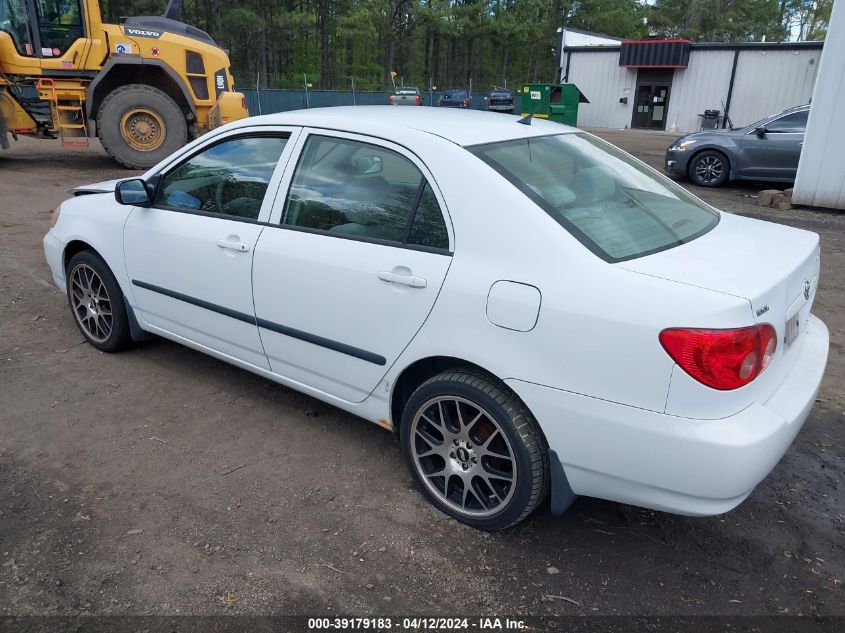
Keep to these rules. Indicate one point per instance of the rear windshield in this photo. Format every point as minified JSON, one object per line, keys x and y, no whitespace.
{"x":455,"y":94}
{"x":406,"y":91}
{"x":611,"y":203}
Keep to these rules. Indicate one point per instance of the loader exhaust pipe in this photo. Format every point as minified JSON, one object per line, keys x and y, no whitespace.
{"x":173,"y":10}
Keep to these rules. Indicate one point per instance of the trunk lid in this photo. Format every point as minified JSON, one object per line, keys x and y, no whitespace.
{"x":774,"y":267}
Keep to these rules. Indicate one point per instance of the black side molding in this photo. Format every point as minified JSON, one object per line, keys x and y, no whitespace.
{"x":328,"y":343}
{"x":314,"y":339}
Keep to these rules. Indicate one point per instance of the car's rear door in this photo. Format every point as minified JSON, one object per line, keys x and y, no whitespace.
{"x":774,"y":154}
{"x":189,"y":256}
{"x":347,"y":273}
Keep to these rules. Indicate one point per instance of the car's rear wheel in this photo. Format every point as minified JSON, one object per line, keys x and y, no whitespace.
{"x":96,"y":302}
{"x":709,"y":169}
{"x":474,"y":449}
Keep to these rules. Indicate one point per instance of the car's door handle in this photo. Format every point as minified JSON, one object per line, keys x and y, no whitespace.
{"x":235,"y":246}
{"x":406,"y":280}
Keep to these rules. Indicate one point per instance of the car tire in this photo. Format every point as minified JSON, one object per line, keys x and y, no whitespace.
{"x":96,"y":301}
{"x":140,"y":126}
{"x":473,"y":428}
{"x":709,"y":168}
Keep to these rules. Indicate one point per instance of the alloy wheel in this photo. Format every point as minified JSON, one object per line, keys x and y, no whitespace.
{"x":709,"y":169}
{"x":91,"y":303}
{"x":463,"y":456}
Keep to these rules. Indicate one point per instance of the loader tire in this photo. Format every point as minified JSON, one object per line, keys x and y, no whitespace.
{"x":139,"y":126}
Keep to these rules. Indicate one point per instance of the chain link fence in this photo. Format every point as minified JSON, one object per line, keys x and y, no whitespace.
{"x":282,"y":100}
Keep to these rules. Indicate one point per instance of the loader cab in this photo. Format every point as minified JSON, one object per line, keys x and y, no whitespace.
{"x":42,"y":28}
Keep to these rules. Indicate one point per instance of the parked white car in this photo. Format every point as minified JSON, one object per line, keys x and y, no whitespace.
{"x":526,"y":306}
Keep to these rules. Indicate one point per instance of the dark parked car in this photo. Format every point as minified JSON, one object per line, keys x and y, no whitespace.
{"x":454,"y":99}
{"x":500,"y":100}
{"x":406,"y":96}
{"x":766,"y":150}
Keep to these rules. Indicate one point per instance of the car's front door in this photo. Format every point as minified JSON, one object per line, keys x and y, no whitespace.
{"x":351,"y":265}
{"x":189,"y":256}
{"x":775,"y":152}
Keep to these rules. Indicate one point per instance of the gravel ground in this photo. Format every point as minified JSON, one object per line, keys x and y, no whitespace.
{"x":115,"y":497}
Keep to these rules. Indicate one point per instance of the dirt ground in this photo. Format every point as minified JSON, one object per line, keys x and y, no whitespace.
{"x":117,"y":494}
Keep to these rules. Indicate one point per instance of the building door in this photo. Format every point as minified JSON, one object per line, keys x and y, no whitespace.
{"x":651,"y":103}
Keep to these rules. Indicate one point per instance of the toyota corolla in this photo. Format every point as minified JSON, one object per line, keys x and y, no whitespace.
{"x":532,"y":311}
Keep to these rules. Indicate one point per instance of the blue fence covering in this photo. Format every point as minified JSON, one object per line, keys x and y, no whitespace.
{"x":270,"y":101}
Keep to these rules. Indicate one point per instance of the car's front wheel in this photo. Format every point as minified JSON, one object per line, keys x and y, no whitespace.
{"x":97,"y":303}
{"x":474,"y":449}
{"x":709,"y":169}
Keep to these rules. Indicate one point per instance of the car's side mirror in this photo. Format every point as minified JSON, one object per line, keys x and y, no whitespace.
{"x":760,"y":131}
{"x":132,"y":192}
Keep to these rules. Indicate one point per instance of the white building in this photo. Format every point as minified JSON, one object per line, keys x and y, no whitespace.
{"x":821,"y":171}
{"x":577,"y":37}
{"x":668,"y":84}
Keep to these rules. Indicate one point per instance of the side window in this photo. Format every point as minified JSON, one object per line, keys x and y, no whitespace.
{"x":60,"y":24}
{"x":428,"y":228}
{"x":229,"y":178}
{"x":14,"y":19}
{"x":791,"y":123}
{"x":352,"y":188}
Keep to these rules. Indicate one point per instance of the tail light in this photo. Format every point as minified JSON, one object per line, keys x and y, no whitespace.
{"x":419,"y":101}
{"x":466,"y":103}
{"x":391,"y":99}
{"x":722,"y":359}
{"x":243,"y":102}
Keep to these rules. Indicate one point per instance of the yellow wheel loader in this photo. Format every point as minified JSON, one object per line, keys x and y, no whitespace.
{"x":144,"y":86}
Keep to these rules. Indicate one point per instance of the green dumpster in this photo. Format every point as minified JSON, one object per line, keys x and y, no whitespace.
{"x":557,"y":102}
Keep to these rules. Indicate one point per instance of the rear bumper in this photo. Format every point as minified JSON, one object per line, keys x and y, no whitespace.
{"x":680,"y":465}
{"x":230,"y":106}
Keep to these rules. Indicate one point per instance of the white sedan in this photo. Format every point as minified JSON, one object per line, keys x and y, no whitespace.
{"x":527,"y":307}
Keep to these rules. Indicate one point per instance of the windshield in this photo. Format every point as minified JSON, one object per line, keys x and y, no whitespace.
{"x":611,"y":203}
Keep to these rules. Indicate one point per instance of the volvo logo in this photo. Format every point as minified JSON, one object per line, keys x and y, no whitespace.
{"x":806,"y":289}
{"x":141,"y":32}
